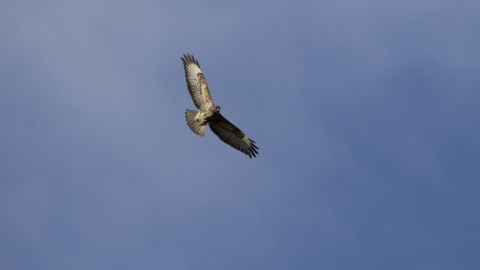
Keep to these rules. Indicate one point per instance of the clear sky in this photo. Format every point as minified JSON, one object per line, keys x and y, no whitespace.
{"x":366,"y":114}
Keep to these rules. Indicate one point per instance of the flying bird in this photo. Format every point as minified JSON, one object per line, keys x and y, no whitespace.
{"x":209,"y":113}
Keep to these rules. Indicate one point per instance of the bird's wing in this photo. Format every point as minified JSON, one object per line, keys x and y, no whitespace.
{"x":196,"y":83}
{"x":233,"y":136}
{"x":206,"y":98}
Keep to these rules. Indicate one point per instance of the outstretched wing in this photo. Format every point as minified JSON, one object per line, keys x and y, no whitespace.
{"x":206,"y":98}
{"x":196,"y":83}
{"x":233,"y":136}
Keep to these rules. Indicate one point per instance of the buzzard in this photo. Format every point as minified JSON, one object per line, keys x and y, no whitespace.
{"x":209,"y":113}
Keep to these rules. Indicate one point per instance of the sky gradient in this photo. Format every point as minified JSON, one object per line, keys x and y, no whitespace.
{"x":366,"y":115}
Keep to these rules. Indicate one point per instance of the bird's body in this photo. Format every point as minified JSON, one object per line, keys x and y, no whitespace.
{"x":209,"y":113}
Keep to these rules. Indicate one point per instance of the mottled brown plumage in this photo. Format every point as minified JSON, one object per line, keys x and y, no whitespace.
{"x":209,"y":113}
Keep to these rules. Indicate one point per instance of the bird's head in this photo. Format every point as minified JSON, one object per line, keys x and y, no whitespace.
{"x":217,"y":108}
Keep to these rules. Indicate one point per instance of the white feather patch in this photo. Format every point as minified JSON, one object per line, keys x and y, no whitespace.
{"x":193,"y":70}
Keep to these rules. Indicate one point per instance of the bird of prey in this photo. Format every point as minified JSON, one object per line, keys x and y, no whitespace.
{"x":209,"y":113}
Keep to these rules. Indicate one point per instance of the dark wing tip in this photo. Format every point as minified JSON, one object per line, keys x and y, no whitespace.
{"x":252,"y":151}
{"x":189,"y":58}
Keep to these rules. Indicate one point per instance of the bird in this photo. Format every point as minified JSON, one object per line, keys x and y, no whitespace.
{"x":209,"y":113}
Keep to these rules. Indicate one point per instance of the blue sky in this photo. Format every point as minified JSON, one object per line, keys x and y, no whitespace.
{"x":366,"y":114}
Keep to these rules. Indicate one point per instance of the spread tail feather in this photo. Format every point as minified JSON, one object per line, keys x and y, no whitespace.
{"x":192,"y":124}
